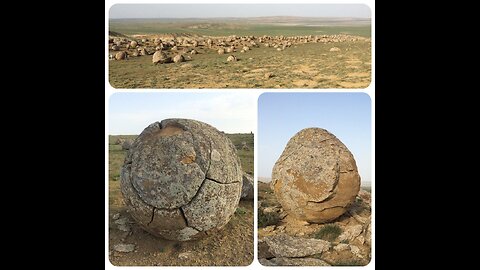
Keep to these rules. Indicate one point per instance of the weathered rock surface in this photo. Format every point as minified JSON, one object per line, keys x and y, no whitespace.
{"x":178,"y":58}
{"x":283,"y":245}
{"x":120,"y":56}
{"x":316,"y":178}
{"x":181,"y":179}
{"x":127,"y":144}
{"x":124,"y":247}
{"x":160,"y":57}
{"x":232,"y":58}
{"x":247,"y":187}
{"x":296,"y":262}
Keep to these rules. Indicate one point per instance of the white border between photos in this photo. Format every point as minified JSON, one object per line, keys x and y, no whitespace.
{"x":109,"y":91}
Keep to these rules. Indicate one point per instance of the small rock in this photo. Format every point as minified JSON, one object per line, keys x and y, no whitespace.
{"x":116,"y":216}
{"x":270,"y":228}
{"x":120,"y":56}
{"x":263,"y":251}
{"x":335,"y":49}
{"x":356,"y":251}
{"x":341,"y":247}
{"x":268,"y":75}
{"x":350,"y":233}
{"x":178,"y":58}
{"x":271,"y":209}
{"x":231,"y":58}
{"x":361,"y":239}
{"x":280,"y":228}
{"x":184,"y":255}
{"x":298,"y":262}
{"x":247,"y":187}
{"x":121,"y":221}
{"x":283,"y":245}
{"x":124,"y":228}
{"x":124,"y":247}
{"x":266,"y":262}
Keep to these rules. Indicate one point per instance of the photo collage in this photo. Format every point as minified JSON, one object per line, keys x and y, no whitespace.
{"x":239,"y":135}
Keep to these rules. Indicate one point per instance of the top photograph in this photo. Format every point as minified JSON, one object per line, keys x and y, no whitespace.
{"x":202,"y":46}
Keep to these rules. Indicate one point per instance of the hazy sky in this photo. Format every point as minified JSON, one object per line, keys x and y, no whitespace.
{"x":282,"y":115}
{"x":130,"y":113}
{"x":237,"y":10}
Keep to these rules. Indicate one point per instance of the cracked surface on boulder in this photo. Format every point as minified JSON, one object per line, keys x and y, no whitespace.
{"x":181,"y":179}
{"x":316,"y":177}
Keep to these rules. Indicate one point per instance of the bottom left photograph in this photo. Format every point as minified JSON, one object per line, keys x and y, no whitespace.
{"x":180,"y":179}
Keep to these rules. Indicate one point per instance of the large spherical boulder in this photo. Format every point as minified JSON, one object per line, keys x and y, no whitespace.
{"x":160,"y":57}
{"x":316,"y":177}
{"x":181,"y":179}
{"x":120,"y":56}
{"x":178,"y":58}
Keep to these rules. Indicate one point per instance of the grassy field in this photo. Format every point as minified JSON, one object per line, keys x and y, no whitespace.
{"x":310,"y":65}
{"x":231,"y":246}
{"x":222,"y":28}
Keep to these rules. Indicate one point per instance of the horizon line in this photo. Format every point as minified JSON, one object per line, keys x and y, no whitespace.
{"x":240,"y":17}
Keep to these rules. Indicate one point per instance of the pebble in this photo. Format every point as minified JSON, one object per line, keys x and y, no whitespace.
{"x":124,"y":247}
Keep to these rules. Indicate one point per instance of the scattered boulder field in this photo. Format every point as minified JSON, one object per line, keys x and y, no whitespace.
{"x":172,"y":48}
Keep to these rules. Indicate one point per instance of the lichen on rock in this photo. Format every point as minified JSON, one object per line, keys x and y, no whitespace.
{"x":181,"y":178}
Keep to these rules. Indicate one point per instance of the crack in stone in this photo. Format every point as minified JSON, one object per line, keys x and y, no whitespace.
{"x":209,"y":161}
{"x":186,"y":220}
{"x":184,"y":217}
{"x":153,"y":216}
{"x":328,"y":207}
{"x":194,"y":196}
{"x":206,"y":178}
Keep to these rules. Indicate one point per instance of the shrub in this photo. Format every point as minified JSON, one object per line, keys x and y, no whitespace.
{"x":267,"y":219}
{"x":240,"y":211}
{"x":329,"y":232}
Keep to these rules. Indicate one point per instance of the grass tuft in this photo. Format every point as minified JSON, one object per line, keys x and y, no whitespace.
{"x":329,"y":232}
{"x":267,"y":219}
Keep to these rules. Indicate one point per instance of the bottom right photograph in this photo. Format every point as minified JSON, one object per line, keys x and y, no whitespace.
{"x":314,"y":179}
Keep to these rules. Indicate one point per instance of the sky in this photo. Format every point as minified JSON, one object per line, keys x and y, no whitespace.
{"x":345,"y":115}
{"x":130,"y":113}
{"x":237,"y":10}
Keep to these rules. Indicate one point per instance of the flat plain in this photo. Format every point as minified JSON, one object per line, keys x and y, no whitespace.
{"x":282,"y":52}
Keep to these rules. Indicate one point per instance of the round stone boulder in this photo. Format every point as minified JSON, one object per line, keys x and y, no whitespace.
{"x":178,"y":58}
{"x":160,"y":57}
{"x":120,"y":56}
{"x":181,"y":179}
{"x":316,"y":178}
